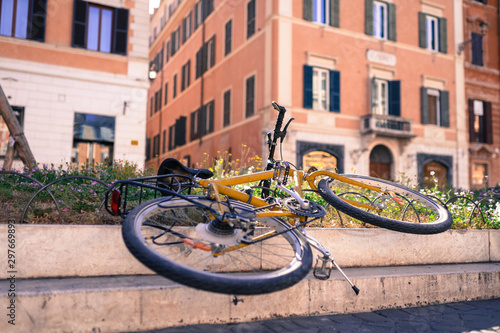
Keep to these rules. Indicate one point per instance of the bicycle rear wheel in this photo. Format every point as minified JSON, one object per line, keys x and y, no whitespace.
{"x":156,"y":233}
{"x":404,"y":210}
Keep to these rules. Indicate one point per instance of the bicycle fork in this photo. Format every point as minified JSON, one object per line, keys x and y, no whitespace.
{"x":323,"y":272}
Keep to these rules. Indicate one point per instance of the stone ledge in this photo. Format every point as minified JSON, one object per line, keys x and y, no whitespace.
{"x":79,"y":251}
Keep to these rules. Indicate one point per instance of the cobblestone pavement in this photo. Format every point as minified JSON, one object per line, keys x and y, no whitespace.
{"x":475,"y":316}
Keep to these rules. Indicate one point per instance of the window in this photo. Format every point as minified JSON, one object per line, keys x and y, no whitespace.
{"x":158,"y":96}
{"x":4,"y":131}
{"x":435,"y":107}
{"x":93,"y":138}
{"x":175,"y":43}
{"x":186,"y":74}
{"x":202,"y":121}
{"x":100,"y":28}
{"x":156,"y":146}
{"x":434,"y":172}
{"x":205,"y":57}
{"x":250,"y":97}
{"x":151,"y":106}
{"x":198,"y":15}
{"x":229,"y":37}
{"x":322,"y":11}
{"x":385,"y":97}
{"x":186,"y":27}
{"x":250,"y":18}
{"x":319,"y":159}
{"x":23,"y":19}
{"x":432,"y":33}
{"x":227,"y":108}
{"x":177,"y":133}
{"x":321,"y":89}
{"x":479,"y":176}
{"x":167,"y":51}
{"x":477,"y":49}
{"x":380,"y":19}
{"x":480,"y":122}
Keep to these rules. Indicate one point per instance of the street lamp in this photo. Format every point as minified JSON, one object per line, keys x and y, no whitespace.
{"x":152,"y":72}
{"x":483,"y":26}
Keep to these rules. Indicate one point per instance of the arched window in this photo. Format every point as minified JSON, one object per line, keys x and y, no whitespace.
{"x":434,"y":172}
{"x":381,"y":162}
{"x":319,"y":159}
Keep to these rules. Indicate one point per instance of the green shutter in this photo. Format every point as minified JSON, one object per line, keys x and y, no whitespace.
{"x":308,"y":87}
{"x":392,"y":21}
{"x":443,"y":36}
{"x":334,"y":91}
{"x":120,"y":31}
{"x":424,"y":107}
{"x":373,"y":96}
{"x":395,"y":98}
{"x":335,"y":13}
{"x":369,"y":17}
{"x":444,"y":102}
{"x":488,"y":127}
{"x":422,"y":30}
{"x":308,"y":10}
{"x":79,"y":36}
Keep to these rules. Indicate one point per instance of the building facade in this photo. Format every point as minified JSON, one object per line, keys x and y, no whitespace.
{"x":375,"y":87}
{"x":75,"y":73}
{"x":482,"y":90}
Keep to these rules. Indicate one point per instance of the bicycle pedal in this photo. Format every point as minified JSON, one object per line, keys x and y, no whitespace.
{"x":323,"y":272}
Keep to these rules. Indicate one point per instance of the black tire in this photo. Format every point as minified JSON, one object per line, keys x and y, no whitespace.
{"x":270,"y":265}
{"x":419,"y":214}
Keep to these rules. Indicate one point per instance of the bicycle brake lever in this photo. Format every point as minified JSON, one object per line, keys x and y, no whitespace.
{"x":283,"y":133}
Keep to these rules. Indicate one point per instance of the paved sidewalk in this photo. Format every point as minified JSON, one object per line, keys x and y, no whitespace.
{"x":475,"y":316}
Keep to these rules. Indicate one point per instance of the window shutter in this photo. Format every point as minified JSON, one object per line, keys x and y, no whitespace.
{"x":392,"y":21}
{"x":308,"y":10}
{"x":308,"y":87}
{"x":199,"y":61}
{"x":229,"y":31}
{"x":80,"y":24}
{"x":444,"y":102}
{"x":373,"y":96}
{"x":443,"y":35}
{"x":424,"y":107}
{"x":211,"y":117}
{"x":166,"y":94}
{"x":395,"y":98}
{"x":180,"y":131}
{"x":171,"y":138}
{"x":488,"y":121}
{"x":120,"y":31}
{"x":188,"y":79}
{"x":369,"y":17}
{"x":172,"y":47}
{"x":212,"y":52}
{"x":334,"y":91}
{"x":192,"y":126}
{"x":472,"y":132}
{"x":477,"y":49}
{"x":202,"y":121}
{"x":37,"y":20}
{"x":334,"y":13}
{"x":167,"y":51}
{"x":422,"y":30}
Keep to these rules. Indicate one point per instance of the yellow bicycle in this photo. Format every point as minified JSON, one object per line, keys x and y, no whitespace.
{"x":210,"y":235}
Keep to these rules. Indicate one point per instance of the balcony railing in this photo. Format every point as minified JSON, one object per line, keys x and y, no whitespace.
{"x":387,"y":126}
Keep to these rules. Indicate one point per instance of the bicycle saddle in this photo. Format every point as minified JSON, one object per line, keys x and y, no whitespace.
{"x":171,"y":165}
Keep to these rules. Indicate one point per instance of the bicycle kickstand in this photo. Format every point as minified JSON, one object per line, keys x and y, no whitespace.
{"x":323,"y":272}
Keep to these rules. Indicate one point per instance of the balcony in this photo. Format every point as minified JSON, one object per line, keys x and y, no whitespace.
{"x":387,"y":126}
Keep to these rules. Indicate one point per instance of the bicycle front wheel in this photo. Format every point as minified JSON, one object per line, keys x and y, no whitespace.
{"x":173,"y":237}
{"x":399,"y":208}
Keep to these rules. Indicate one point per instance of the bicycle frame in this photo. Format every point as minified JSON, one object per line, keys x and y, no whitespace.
{"x":221,"y":187}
